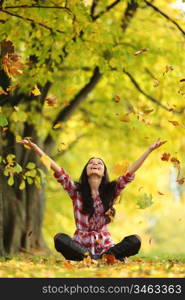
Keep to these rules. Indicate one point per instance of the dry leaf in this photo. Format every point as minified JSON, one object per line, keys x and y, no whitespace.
{"x":165,"y":156}
{"x":117,"y":99}
{"x":140,"y":51}
{"x":10,"y":88}
{"x":160,"y":193}
{"x":156,"y":83}
{"x":36,"y":91}
{"x":125,"y":118}
{"x":57,"y":125}
{"x":68,"y":265}
{"x":175,"y":160}
{"x":181,"y":181}
{"x":11,"y":64}
{"x":175,"y":123}
{"x":51,"y":101}
{"x":167,"y":69}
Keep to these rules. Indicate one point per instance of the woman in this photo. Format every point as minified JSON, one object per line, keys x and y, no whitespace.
{"x":93,"y":198}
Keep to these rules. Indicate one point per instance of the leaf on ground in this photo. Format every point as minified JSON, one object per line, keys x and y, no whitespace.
{"x":68,"y":265}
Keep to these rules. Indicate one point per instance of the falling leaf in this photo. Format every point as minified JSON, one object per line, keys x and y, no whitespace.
{"x":10,"y":88}
{"x":117,"y":99}
{"x":181,"y":181}
{"x":16,"y":108}
{"x":160,"y":193}
{"x":165,"y":156}
{"x":150,"y":241}
{"x":139,"y":189}
{"x":57,"y":125}
{"x":140,"y":51}
{"x":36,"y":91}
{"x":11,"y":64}
{"x":125,"y":118}
{"x":148,"y":122}
{"x":121,"y":168}
{"x":5,"y":129}
{"x":175,"y":160}
{"x":175,"y":123}
{"x":2,"y":92}
{"x":182,"y":80}
{"x":156,"y":83}
{"x":46,"y":161}
{"x":144,"y":201}
{"x":167,"y":69}
{"x":51,"y":101}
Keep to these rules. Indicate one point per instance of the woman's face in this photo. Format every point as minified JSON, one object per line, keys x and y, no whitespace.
{"x":95,"y":167}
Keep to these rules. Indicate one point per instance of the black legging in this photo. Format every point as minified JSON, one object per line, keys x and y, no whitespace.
{"x":72,"y":250}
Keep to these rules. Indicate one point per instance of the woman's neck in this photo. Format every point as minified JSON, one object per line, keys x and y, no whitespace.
{"x":94,"y":182}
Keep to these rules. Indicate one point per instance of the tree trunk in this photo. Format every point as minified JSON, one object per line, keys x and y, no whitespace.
{"x":21,"y":211}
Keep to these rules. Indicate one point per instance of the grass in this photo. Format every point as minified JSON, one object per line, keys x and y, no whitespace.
{"x":39,"y":265}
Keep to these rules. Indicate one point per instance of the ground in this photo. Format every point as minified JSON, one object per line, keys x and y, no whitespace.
{"x":26,"y":265}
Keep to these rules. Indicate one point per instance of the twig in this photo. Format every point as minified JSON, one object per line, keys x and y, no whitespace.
{"x":31,"y":20}
{"x":165,"y":15}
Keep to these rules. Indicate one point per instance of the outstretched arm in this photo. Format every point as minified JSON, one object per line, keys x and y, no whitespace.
{"x":39,"y":151}
{"x":136,"y":165}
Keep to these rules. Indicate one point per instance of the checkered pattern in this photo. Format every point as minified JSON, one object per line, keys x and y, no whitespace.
{"x":91,"y":233}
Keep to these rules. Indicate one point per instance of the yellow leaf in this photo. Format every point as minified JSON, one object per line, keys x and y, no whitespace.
{"x":121,"y":168}
{"x":58,"y":125}
{"x":36,"y":91}
{"x":22,"y":185}
{"x":125,"y":118}
{"x":46,"y":161}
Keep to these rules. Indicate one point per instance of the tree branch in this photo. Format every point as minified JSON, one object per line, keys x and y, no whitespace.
{"x":66,"y":113}
{"x":129,"y":13}
{"x":165,"y":15}
{"x":31,"y":20}
{"x":94,"y":18}
{"x":93,"y":7}
{"x":40,"y":6}
{"x":154,"y":100}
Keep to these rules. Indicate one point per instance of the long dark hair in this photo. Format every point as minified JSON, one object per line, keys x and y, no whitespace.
{"x":106,"y":190}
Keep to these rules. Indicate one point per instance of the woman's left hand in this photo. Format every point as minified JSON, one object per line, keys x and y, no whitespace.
{"x":156,"y":144}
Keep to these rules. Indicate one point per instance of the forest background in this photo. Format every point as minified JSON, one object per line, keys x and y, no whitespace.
{"x":92,"y":78}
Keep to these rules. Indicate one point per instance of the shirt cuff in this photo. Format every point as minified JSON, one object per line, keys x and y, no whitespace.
{"x":130,"y":175}
{"x":59,"y":173}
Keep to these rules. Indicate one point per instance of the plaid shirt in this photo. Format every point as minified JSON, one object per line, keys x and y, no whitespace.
{"x":91,"y":233}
